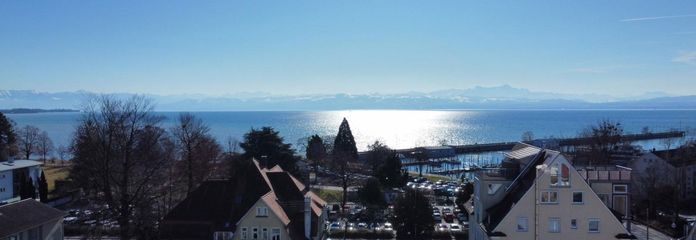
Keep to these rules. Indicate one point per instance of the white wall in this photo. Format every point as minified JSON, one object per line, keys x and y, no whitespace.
{"x":6,"y":183}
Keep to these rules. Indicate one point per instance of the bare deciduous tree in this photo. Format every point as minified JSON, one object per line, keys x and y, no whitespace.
{"x":63,"y":152}
{"x":120,"y":156}
{"x":28,"y":137}
{"x":196,"y":148}
{"x":527,"y":136}
{"x":602,"y":139}
{"x":44,"y":145}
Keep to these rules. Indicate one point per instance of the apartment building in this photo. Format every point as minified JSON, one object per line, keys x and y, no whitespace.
{"x":538,"y":194}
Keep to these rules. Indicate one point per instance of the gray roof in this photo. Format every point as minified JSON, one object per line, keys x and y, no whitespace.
{"x":24,"y":215}
{"x":17,"y":164}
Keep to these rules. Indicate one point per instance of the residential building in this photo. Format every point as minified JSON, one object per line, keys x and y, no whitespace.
{"x":683,"y":168}
{"x":12,"y":173}
{"x":537,"y":194}
{"x":30,"y":220}
{"x":259,"y":203}
{"x":613,"y":186}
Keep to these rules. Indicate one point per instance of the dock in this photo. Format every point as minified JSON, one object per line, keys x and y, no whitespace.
{"x":562,"y":142}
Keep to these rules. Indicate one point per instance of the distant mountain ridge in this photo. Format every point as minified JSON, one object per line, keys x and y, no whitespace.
{"x":500,"y":97}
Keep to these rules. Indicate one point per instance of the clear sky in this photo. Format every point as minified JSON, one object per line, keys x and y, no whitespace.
{"x":295,"y":47}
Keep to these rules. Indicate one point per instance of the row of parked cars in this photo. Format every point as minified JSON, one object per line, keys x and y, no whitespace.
{"x":89,"y":217}
{"x":448,"y":214}
{"x":360,"y":226}
{"x":449,"y":227}
{"x":439,"y":188}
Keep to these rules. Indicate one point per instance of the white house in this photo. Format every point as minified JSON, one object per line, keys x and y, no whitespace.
{"x":11,"y":173}
{"x":537,"y":194}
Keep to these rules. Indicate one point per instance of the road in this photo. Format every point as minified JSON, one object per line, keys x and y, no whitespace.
{"x":641,"y":233}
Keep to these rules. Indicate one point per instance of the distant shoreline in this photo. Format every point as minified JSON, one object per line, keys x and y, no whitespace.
{"x":34,"y":110}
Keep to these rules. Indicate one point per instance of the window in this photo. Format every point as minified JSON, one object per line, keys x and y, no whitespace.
{"x":577,"y":198}
{"x":223,"y":235}
{"x":264,"y":233}
{"x":275,"y":234}
{"x":621,"y":188}
{"x":254,"y":233}
{"x":554,"y":174}
{"x":244,"y":233}
{"x":2,"y":189}
{"x":620,"y":204}
{"x":262,"y":212}
{"x":565,"y":175}
{"x":549,"y":197}
{"x":554,"y":225}
{"x":573,"y":223}
{"x":522,"y":224}
{"x":593,"y":225}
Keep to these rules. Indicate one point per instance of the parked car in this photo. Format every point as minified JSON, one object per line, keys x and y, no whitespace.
{"x":455,"y":227}
{"x":449,"y":217}
{"x":437,"y":217}
{"x":351,"y":226}
{"x":388,"y":227}
{"x":362,"y":225}
{"x":442,"y":227}
{"x":462,"y":217}
{"x":335,"y":226}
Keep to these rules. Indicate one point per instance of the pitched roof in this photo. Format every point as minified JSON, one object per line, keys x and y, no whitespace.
{"x":16,"y":164}
{"x":218,"y":203}
{"x":515,"y":191}
{"x":225,"y":202}
{"x":678,"y":157}
{"x":24,"y":215}
{"x":272,"y":202}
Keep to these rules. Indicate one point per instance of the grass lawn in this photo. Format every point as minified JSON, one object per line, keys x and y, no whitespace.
{"x":329,"y":195}
{"x":54,"y":173}
{"x":433,"y":177}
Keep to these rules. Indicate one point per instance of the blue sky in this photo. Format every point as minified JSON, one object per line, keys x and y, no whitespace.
{"x":296,"y":47}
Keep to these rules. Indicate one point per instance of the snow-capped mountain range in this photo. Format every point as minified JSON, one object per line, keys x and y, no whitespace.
{"x":500,"y":97}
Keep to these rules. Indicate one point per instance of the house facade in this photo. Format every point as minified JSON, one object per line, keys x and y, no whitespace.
{"x":260,"y":203}
{"x":31,"y":220}
{"x":12,"y":173}
{"x":538,"y":194}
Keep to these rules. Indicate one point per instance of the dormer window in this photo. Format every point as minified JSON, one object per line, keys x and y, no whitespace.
{"x":262,"y":212}
{"x":560,"y":175}
{"x":565,"y":175}
{"x":554,"y":175}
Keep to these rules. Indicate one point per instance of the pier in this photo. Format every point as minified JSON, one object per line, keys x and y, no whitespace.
{"x":561,"y":142}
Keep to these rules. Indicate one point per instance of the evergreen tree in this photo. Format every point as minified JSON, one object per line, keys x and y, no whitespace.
{"x":43,"y":188}
{"x":344,"y":148}
{"x":26,"y":187}
{"x":266,"y":146}
{"x":7,"y":137}
{"x":344,"y":151}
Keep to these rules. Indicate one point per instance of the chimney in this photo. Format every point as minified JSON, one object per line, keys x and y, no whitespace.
{"x":540,"y":169}
{"x":307,"y":218}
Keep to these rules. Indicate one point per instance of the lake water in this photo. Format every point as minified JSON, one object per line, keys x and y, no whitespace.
{"x":402,"y":128}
